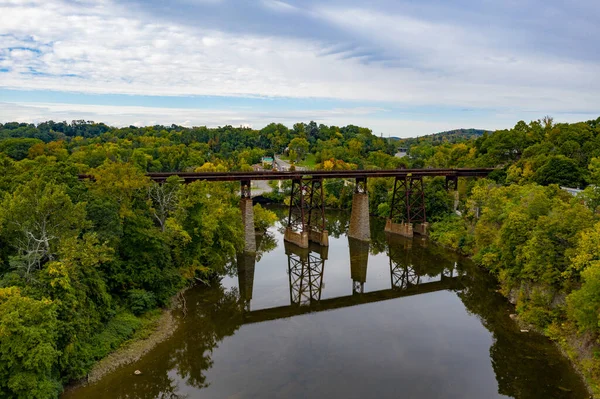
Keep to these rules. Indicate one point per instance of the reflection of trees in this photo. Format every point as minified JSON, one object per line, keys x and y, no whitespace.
{"x":527,"y":366}
{"x":265,"y":243}
{"x":337,"y":222}
{"x":217,"y":314}
{"x":410,"y":259}
{"x":155,"y":384}
{"x":212,"y":314}
{"x":378,"y":236}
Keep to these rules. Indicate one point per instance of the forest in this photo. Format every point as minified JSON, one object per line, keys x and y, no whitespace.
{"x":86,"y":265}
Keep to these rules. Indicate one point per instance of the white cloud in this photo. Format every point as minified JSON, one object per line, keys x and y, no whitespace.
{"x":100,"y":47}
{"x":279,"y":6}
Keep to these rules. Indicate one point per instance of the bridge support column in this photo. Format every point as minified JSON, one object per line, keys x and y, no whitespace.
{"x":359,"y":260}
{"x":421,"y":228}
{"x":408,"y":206}
{"x":300,"y":238}
{"x":248,"y":218}
{"x":359,"y":220}
{"x":306,"y":220}
{"x":403,"y":229}
{"x":246,"y":261}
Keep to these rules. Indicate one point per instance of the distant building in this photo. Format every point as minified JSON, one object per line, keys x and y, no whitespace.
{"x":267,"y":162}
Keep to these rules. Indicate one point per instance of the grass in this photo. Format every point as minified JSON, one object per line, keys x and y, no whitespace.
{"x":309,"y":162}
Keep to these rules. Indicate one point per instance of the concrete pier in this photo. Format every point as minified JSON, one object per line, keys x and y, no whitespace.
{"x":359,"y":219}
{"x":248,"y":223}
{"x":421,"y":228}
{"x":319,"y":237}
{"x":404,"y":229}
{"x":246,"y":262}
{"x":359,"y":259}
{"x":298,"y":238}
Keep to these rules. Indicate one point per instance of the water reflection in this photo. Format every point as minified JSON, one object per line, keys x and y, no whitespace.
{"x":359,"y":261}
{"x":412,"y":272}
{"x":305,"y":271}
{"x":242,"y":338}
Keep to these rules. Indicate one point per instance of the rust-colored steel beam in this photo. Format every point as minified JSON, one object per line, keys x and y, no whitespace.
{"x":189,"y":177}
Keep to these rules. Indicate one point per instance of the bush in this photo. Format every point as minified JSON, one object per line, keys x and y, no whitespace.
{"x":452,"y":232}
{"x":117,"y":330}
{"x":383,"y":210}
{"x":141,"y":301}
{"x":583,"y":304}
{"x":263,"y":218}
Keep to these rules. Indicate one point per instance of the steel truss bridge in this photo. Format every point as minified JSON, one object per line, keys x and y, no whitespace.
{"x":306,"y":219}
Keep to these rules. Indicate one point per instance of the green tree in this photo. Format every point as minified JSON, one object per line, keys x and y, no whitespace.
{"x":300,"y":146}
{"x":36,"y":217}
{"x":28,"y":352}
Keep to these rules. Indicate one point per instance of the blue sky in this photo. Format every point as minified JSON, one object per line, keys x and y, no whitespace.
{"x":401,"y":68}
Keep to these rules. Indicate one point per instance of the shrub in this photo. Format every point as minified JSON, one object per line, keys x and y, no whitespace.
{"x":141,"y":301}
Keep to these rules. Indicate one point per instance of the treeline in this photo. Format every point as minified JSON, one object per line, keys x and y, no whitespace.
{"x":177,"y":148}
{"x":447,"y":137}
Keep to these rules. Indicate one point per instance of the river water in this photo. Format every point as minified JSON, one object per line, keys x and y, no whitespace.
{"x":396,"y":318}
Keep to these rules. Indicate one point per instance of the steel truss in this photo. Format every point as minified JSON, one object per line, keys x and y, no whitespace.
{"x":245,"y":188}
{"x":403,"y":275}
{"x":452,"y":183}
{"x":306,"y":278}
{"x":361,"y":185}
{"x":307,"y":205}
{"x":408,"y":200}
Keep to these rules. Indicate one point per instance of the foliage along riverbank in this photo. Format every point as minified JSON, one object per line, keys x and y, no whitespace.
{"x":540,"y":241}
{"x":541,"y":244}
{"x":157,"y":326}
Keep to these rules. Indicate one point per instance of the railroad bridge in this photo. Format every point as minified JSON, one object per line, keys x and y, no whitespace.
{"x":306,"y":218}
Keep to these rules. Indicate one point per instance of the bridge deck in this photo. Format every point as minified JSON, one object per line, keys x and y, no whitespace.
{"x":327,"y":174}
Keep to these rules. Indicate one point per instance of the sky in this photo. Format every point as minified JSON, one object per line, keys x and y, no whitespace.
{"x":400,"y":68}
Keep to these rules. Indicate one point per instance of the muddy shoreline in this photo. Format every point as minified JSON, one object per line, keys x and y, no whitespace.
{"x":132,"y":351}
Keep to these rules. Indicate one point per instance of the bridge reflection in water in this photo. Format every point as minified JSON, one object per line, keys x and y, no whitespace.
{"x":411,"y":273}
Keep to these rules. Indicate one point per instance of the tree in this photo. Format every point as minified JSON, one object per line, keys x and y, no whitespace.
{"x":28,"y":352}
{"x":164,"y":199}
{"x":300,"y":146}
{"x":120,"y":182}
{"x":559,"y":170}
{"x":36,"y":217}
{"x":263,"y":218}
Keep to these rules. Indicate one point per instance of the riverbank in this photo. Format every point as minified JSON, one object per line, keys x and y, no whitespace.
{"x":157,"y":326}
{"x":157,"y":330}
{"x":579,"y":348}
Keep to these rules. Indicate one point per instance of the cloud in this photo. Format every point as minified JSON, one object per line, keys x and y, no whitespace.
{"x":483,"y":55}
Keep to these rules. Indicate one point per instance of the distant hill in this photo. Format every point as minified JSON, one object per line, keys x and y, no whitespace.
{"x":450,"y":136}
